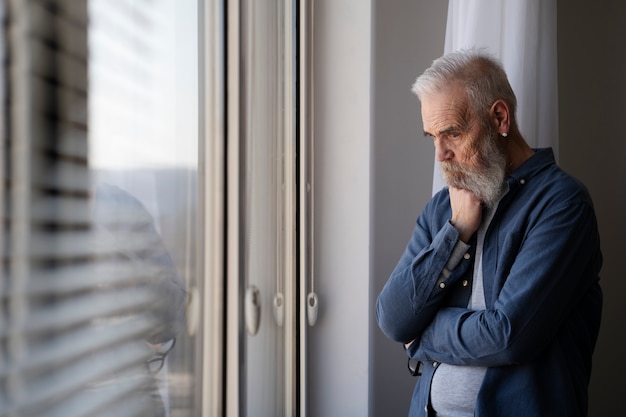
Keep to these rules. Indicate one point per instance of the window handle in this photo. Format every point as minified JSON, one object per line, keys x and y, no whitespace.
{"x":279,"y":309}
{"x":311,"y":308}
{"x":252,"y":309}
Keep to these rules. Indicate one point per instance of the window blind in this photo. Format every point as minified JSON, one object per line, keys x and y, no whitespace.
{"x":78,"y":298}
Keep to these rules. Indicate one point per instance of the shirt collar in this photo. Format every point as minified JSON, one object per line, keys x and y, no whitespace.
{"x":533,"y":165}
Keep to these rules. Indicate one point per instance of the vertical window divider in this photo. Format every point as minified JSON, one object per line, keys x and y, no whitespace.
{"x":307,"y":316}
{"x":290,"y":138}
{"x":212,"y":205}
{"x":233,"y":342}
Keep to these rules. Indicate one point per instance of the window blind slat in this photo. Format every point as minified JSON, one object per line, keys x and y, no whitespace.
{"x":58,"y":316}
{"x":61,"y":209}
{"x":51,"y":64}
{"x":81,"y":244}
{"x":49,"y":22}
{"x":50,"y":101}
{"x":69,"y":141}
{"x":78,"y":342}
{"x":66,"y":280}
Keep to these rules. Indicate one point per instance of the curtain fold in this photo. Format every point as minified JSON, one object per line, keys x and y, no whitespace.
{"x":522,"y":35}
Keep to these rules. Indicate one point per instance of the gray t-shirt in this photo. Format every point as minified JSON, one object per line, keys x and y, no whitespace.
{"x":454,"y":388}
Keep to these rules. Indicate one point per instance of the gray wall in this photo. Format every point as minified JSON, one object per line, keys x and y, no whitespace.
{"x":592,"y":110}
{"x":408,"y":36}
{"x":338,"y":370}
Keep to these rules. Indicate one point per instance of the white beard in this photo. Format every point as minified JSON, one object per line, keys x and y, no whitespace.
{"x":487,"y":181}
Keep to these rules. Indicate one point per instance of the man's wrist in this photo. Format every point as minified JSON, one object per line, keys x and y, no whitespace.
{"x":464,"y":234}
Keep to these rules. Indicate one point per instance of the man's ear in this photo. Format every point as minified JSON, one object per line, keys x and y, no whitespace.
{"x":500,"y":117}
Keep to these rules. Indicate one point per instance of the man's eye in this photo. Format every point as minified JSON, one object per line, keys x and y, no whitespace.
{"x":455,"y":135}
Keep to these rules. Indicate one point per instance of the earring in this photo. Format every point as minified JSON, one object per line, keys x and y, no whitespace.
{"x":504,"y":134}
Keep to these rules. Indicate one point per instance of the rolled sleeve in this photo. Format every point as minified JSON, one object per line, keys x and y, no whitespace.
{"x":418,"y":284}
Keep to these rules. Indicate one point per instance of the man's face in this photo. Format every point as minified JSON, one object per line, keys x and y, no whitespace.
{"x":472,"y":156}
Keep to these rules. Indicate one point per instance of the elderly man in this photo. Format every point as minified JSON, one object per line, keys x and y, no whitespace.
{"x":496,"y":296}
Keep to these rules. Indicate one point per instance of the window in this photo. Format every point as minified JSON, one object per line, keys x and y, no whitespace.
{"x":155,"y":208}
{"x":99,"y":205}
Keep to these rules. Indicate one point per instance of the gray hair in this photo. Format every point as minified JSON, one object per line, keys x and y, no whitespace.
{"x":481,"y":75}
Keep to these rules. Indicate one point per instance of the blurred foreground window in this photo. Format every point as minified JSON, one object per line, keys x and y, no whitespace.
{"x":98,"y":190}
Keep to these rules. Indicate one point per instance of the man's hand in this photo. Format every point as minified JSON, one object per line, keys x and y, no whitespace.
{"x":467,"y":212}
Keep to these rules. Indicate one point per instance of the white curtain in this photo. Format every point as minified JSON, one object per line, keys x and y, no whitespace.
{"x":522,"y":35}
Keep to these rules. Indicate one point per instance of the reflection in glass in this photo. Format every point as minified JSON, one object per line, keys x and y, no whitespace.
{"x":143,"y":164}
{"x":124,"y":234}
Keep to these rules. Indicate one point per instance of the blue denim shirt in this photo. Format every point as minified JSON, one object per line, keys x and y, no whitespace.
{"x":541,"y":260}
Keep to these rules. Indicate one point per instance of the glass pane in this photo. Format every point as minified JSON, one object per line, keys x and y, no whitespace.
{"x":264,"y":201}
{"x":143,"y":141}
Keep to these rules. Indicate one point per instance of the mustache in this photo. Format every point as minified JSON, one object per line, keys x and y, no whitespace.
{"x":485,"y":178}
{"x":454,"y":167}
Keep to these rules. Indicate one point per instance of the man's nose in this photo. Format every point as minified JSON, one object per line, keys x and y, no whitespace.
{"x":442,"y":152}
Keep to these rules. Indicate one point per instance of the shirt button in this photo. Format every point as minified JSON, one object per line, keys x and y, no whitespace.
{"x":465,"y":283}
{"x":442,"y":285}
{"x":466,"y":256}
{"x":426,"y":409}
{"x":435,"y":364}
{"x":522,"y":181}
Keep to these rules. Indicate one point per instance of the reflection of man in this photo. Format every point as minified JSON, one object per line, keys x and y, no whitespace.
{"x":496,"y":296}
{"x":133,"y":240}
